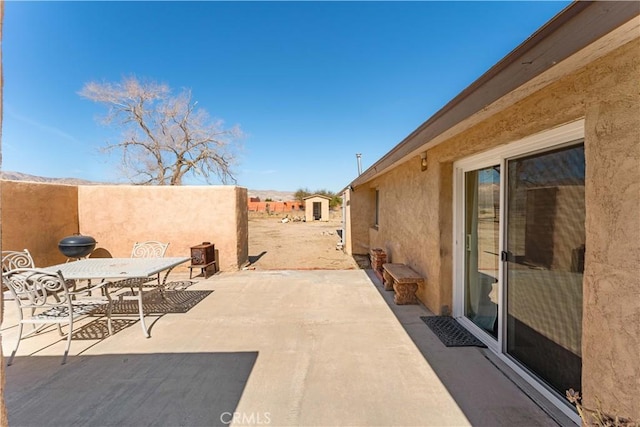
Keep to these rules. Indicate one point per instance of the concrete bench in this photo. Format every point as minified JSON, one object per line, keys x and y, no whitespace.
{"x":403,"y":281}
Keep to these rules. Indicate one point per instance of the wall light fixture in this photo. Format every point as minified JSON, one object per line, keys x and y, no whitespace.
{"x":423,"y":161}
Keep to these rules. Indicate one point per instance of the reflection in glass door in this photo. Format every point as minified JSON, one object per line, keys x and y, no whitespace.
{"x":519,"y":257}
{"x":482,"y":226}
{"x":545,"y":248}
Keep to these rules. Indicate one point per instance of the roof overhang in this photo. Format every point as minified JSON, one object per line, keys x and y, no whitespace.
{"x":578,"y":35}
{"x":316,"y":195}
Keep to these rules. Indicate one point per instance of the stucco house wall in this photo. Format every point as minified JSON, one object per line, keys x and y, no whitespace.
{"x":359,"y":207}
{"x":416,"y":220}
{"x":118,"y":216}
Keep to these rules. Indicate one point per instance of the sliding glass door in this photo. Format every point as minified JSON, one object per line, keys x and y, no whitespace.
{"x":545,"y":248}
{"x":482,"y":221}
{"x":519,"y":254}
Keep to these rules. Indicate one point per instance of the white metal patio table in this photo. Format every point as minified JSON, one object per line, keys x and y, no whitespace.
{"x":120,"y":268}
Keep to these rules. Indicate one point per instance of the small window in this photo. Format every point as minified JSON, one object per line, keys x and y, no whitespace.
{"x":377,"y":218}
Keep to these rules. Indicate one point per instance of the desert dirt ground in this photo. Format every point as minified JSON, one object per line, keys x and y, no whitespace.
{"x":274,"y":245}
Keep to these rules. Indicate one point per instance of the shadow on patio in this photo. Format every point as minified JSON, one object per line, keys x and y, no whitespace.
{"x":285,"y":348}
{"x":484,"y":387}
{"x":196,"y":389}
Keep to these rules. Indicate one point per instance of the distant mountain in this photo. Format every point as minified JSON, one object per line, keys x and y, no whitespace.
{"x":19,"y":176}
{"x":271,"y":194}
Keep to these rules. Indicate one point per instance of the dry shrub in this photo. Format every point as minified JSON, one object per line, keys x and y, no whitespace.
{"x":596,"y":417}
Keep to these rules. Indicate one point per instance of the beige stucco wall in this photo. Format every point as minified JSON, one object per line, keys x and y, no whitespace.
{"x":416,"y":212}
{"x":360,"y":215}
{"x":36,"y":216}
{"x":241,"y":225}
{"x":118,"y":216}
{"x":611,"y":323}
{"x":408,"y":227}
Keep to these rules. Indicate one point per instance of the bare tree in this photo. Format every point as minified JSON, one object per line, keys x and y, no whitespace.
{"x":165,"y":137}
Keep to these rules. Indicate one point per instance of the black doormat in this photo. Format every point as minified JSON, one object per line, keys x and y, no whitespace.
{"x":450,"y":332}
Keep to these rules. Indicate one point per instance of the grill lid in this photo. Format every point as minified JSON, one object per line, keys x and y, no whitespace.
{"x":77,"y":245}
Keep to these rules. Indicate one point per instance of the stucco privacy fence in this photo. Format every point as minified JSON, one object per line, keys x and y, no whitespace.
{"x":37,"y":215}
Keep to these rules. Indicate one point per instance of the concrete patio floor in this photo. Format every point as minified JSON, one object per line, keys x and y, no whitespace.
{"x":279,"y":348}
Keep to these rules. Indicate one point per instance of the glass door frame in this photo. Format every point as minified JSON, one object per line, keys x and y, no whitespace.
{"x":564,"y":135}
{"x":484,"y":160}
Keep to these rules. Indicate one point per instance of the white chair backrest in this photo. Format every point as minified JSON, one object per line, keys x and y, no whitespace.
{"x":149,"y":249}
{"x":16,"y":259}
{"x":31,"y":288}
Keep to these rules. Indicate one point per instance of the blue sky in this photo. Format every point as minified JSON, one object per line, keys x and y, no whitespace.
{"x":310,"y":83}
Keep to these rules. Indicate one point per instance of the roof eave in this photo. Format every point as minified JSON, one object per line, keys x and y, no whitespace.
{"x":557,"y":40}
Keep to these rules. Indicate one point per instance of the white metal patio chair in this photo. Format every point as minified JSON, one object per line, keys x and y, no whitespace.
{"x":44,"y":298}
{"x":17,"y":259}
{"x":23,"y":259}
{"x":148,"y":249}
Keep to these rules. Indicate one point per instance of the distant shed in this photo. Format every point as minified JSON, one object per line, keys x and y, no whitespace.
{"x":316,"y":208}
